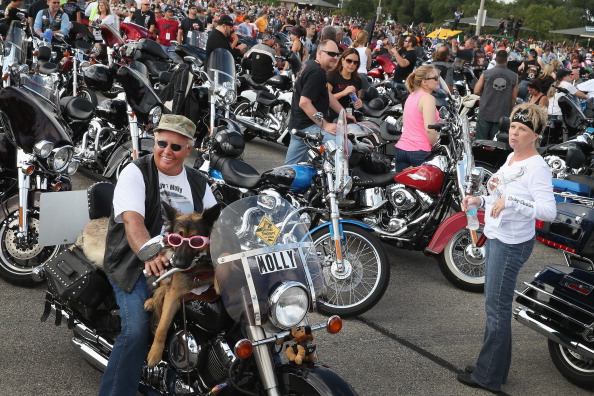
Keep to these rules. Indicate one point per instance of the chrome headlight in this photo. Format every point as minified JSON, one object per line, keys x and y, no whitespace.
{"x":155,"y":115}
{"x":227,"y":95}
{"x":60,"y":158}
{"x":43,"y":148}
{"x":72,"y":167}
{"x":288,"y":305}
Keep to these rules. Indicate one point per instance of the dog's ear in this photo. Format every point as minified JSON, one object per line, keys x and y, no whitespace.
{"x":210,"y":215}
{"x":170,"y":212}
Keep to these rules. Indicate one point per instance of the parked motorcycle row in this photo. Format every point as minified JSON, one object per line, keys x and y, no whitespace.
{"x":330,"y":214}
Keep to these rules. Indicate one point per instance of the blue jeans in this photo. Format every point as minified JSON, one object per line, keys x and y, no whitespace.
{"x":503,"y":263}
{"x":404,"y":159}
{"x":297,"y":151}
{"x":130,"y":349}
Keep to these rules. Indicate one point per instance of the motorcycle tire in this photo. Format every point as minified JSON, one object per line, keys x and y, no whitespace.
{"x":578,"y":369}
{"x":86,"y":93}
{"x":18,"y":261}
{"x":459,"y":267}
{"x":367,"y":271}
{"x":125,"y":161}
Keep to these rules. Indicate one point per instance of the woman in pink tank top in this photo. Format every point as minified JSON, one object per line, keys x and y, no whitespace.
{"x":419,"y":112}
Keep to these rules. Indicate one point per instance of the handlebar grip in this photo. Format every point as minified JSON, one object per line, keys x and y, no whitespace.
{"x":306,"y":135}
{"x":437,"y":127}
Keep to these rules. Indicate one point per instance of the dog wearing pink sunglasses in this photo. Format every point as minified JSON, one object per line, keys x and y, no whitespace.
{"x":188,"y":238}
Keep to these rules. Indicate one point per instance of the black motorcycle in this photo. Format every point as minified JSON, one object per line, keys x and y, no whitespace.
{"x":269,"y":277}
{"x":559,"y":303}
{"x":36,"y":156}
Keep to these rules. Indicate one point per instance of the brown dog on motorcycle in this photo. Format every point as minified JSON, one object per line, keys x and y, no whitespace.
{"x":188,"y":236}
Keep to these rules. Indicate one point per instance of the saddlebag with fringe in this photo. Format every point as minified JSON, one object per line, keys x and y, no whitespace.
{"x":73,"y":278}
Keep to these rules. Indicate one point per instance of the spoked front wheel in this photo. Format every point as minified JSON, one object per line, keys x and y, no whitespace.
{"x":462,"y":264}
{"x":365,"y":275}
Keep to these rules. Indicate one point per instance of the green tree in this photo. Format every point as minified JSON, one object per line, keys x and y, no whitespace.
{"x":543,"y":18}
{"x":363,"y":8}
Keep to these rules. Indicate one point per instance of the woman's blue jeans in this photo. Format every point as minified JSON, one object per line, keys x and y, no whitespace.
{"x":503,"y":263}
{"x":130,"y":349}
{"x":404,"y":159}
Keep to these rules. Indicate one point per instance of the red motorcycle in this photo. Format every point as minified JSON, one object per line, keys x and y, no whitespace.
{"x":383,"y":71}
{"x":412,"y":209}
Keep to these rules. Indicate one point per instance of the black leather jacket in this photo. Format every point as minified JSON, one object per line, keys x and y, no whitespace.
{"x":120,"y":263}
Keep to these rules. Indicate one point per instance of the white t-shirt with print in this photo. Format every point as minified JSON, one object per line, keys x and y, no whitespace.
{"x":129,"y":194}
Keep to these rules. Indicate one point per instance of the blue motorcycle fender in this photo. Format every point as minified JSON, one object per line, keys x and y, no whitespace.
{"x":145,"y":144}
{"x":329,"y":224}
{"x":313,"y":379}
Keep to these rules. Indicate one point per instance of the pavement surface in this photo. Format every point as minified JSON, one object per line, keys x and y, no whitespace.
{"x":414,"y":342}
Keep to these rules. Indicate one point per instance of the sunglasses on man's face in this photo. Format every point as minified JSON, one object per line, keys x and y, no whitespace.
{"x":174,"y":146}
{"x":331,"y":53}
{"x":351,"y":61}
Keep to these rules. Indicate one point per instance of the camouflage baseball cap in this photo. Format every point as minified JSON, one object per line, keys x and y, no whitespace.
{"x":177,"y":123}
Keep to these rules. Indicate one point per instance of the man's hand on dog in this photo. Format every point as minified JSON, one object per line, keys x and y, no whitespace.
{"x":157,"y":265}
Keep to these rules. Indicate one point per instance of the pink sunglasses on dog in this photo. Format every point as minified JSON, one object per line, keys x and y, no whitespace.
{"x":195,"y":242}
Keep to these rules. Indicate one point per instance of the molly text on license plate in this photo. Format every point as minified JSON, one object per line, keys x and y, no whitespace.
{"x":276,"y":261}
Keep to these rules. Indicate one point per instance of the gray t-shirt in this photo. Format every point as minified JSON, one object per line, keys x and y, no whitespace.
{"x":499,"y":83}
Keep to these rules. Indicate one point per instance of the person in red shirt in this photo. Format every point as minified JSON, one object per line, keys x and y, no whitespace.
{"x":167,"y":30}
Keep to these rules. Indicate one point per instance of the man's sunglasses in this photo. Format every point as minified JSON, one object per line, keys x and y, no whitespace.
{"x":436,"y":78}
{"x":195,"y":242}
{"x":351,"y":61}
{"x":332,"y":54}
{"x":174,"y":146}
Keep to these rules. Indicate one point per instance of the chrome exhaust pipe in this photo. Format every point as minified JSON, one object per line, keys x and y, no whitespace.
{"x":90,"y":354}
{"x":396,"y":234}
{"x":251,"y":124}
{"x":523,"y":315}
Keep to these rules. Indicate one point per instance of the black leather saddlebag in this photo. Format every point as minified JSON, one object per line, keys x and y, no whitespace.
{"x":73,"y":278}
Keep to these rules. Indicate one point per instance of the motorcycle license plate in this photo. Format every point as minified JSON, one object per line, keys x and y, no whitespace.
{"x":276,"y":261}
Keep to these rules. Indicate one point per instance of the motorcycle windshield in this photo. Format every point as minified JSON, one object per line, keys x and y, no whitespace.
{"x":42,"y":86}
{"x":139,"y":93}
{"x":259,"y":244}
{"x":221,"y":69}
{"x":197,"y":38}
{"x":14,"y":47}
{"x":31,"y":119}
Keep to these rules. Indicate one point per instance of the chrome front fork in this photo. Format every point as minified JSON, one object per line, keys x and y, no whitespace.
{"x":24,"y":181}
{"x":134,"y":133}
{"x":264,"y":360}
{"x":335,"y":232}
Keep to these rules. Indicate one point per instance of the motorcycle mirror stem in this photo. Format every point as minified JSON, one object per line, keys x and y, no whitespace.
{"x":151,"y":248}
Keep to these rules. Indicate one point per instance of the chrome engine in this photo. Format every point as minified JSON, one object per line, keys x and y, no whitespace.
{"x":405,"y":205}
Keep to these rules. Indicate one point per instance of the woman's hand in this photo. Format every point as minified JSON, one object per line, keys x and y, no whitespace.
{"x":471,"y":200}
{"x":358,"y":104}
{"x":498,"y":206}
{"x":157,"y":265}
{"x":350,"y":89}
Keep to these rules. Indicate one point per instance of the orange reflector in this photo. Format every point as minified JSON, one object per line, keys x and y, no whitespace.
{"x":244,"y":349}
{"x":321,"y":149}
{"x":555,"y":245}
{"x":5,"y":77}
{"x":35,"y":53}
{"x":338,"y":251}
{"x":66,"y":54}
{"x":334,"y":324}
{"x":27,"y":170}
{"x":20,"y":216}
{"x":58,"y":186}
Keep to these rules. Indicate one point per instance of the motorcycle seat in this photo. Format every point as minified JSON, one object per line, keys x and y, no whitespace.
{"x":155,"y":67}
{"x":235,"y":172}
{"x":266,"y":98}
{"x":48,"y":68}
{"x":362,"y":178}
{"x":491,"y":143}
{"x":77,"y":108}
{"x":369,"y":112}
{"x":254,"y":85}
{"x":582,"y":179}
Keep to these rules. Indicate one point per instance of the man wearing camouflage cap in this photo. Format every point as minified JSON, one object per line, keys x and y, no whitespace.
{"x":136,"y":217}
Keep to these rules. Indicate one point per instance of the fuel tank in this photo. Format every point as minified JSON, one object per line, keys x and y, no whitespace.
{"x":293,"y":178}
{"x":425,"y":178}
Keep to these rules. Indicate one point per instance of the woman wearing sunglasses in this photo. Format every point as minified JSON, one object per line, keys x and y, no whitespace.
{"x":343,"y":80}
{"x":419,"y":112}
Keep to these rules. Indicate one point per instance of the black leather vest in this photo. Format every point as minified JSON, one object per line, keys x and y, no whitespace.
{"x":120,"y":263}
{"x":56,"y":23}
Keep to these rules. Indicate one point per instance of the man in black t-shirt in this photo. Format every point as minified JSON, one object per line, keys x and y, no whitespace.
{"x":311,"y":96}
{"x":189,"y":24}
{"x":406,"y":58}
{"x":145,"y":17}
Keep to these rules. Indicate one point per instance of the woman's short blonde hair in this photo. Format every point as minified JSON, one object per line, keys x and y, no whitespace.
{"x":536,"y":113}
